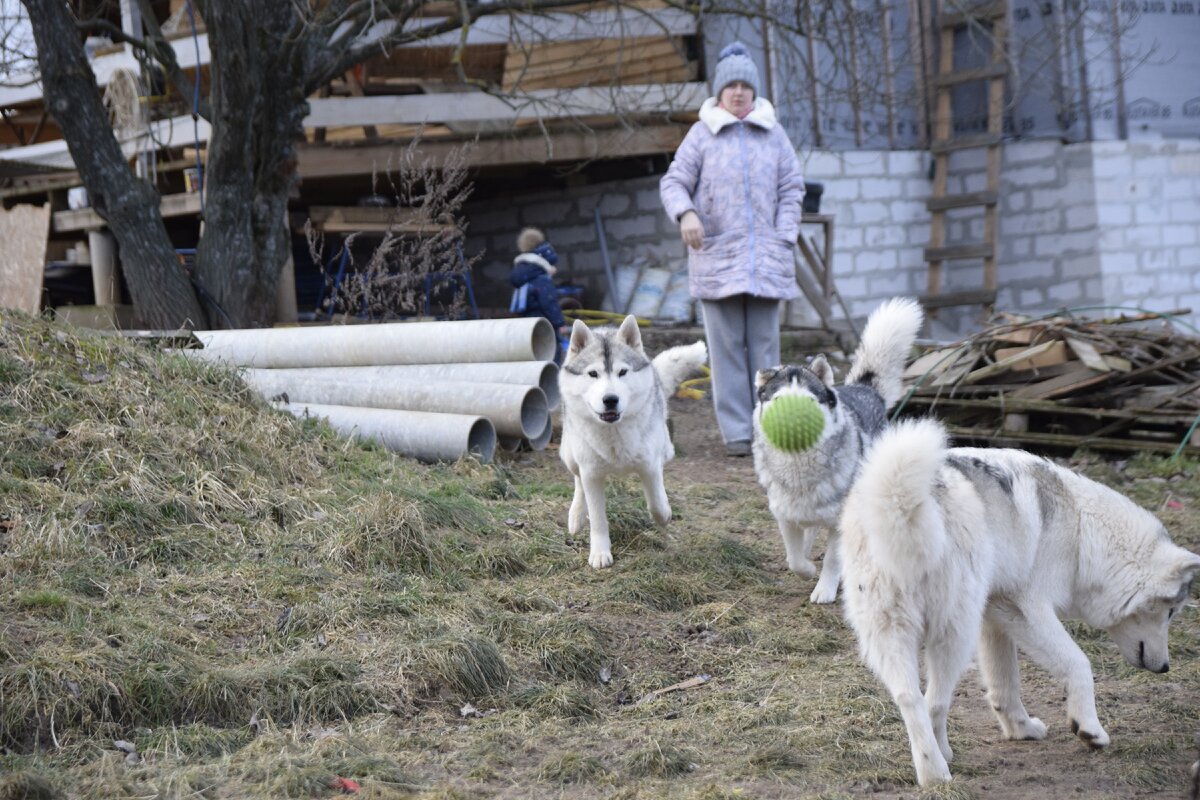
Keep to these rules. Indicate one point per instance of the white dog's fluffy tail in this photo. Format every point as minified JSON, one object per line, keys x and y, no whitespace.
{"x":886,"y":341}
{"x":676,"y":364}
{"x":891,"y":504}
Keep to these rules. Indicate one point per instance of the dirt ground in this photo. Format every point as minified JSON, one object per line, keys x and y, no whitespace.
{"x":1058,"y":767}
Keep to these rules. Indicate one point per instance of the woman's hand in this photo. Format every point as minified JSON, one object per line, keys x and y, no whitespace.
{"x":692,"y":230}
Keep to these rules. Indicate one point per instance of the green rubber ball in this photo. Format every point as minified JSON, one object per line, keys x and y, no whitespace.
{"x":793,"y":423}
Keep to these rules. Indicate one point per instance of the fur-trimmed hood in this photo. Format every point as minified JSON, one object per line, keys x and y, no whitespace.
{"x":762,"y":114}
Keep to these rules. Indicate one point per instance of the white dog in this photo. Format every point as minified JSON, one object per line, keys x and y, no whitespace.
{"x":941,"y":545}
{"x":805,"y":490}
{"x":614,"y":401}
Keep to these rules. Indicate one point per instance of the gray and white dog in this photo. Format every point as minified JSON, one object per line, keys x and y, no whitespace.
{"x":806,"y":489}
{"x":951,"y":552}
{"x":614,"y":401}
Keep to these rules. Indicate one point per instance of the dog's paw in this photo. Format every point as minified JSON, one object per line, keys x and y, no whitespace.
{"x":824,"y":593}
{"x":599,"y":559}
{"x":1033,"y":729}
{"x":802,"y":567}
{"x":661,"y":516}
{"x":1092,"y":735}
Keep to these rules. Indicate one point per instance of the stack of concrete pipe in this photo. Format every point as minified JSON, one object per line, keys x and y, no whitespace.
{"x":436,"y":391}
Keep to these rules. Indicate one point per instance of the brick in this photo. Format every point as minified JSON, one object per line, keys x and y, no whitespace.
{"x":1111,"y":238}
{"x":889,"y":283}
{"x":575,"y":235}
{"x":1178,"y":235}
{"x":1028,"y":272}
{"x":1029,"y":224}
{"x":1093,"y":290}
{"x":874,"y":260}
{"x":906,"y":162}
{"x":1187,"y":164}
{"x":852,"y":286}
{"x":1068,"y":292}
{"x":1032,"y":151}
{"x":1150,"y":213}
{"x":863,"y":163}
{"x":612,"y":205}
{"x":1081,"y":217}
{"x":1156,"y":259}
{"x":1080,"y":266}
{"x":880,"y":188}
{"x":918,"y":188}
{"x":1041,"y":199}
{"x":903,"y":212}
{"x":1128,"y":286}
{"x":1109,"y":214}
{"x":1119,"y":191}
{"x":1125,"y":263}
{"x":1020,"y":247}
{"x":1032,"y":298}
{"x":1184,"y":211}
{"x":1173,"y":282}
{"x":1112,"y":166}
{"x":918,"y":233}
{"x":634,"y":227}
{"x":1016,"y":200}
{"x":869,"y":212}
{"x":846,"y":237}
{"x":1037,"y":175}
{"x":493,"y":220}
{"x":1143,"y":237}
{"x":649,"y":200}
{"x":822,"y":165}
{"x":1181,"y":188}
{"x":883,"y":236}
{"x":1189,"y":258}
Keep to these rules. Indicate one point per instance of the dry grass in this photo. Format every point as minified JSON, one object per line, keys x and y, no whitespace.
{"x":260,"y":607}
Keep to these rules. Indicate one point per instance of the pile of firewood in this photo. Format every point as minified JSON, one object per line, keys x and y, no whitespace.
{"x":1129,"y":383}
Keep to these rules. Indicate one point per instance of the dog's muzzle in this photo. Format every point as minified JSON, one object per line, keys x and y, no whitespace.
{"x":610,"y":413}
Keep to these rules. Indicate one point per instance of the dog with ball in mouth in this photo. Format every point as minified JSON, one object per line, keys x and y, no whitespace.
{"x":810,"y":435}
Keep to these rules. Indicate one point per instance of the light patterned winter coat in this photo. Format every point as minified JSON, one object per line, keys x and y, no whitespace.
{"x":743,"y":179}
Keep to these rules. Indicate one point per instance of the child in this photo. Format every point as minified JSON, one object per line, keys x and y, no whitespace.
{"x":534,"y":292}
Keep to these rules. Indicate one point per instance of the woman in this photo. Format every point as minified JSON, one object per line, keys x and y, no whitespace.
{"x":735,"y":189}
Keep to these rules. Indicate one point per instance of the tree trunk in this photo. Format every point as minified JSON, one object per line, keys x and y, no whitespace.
{"x":162,"y":295}
{"x":258,"y":105}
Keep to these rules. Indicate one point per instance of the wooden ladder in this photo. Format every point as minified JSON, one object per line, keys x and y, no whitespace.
{"x":943,"y":142}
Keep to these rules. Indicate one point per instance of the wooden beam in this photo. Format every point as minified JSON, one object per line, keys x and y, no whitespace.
{"x":328,"y":162}
{"x":331,"y":112}
{"x":86,"y":219}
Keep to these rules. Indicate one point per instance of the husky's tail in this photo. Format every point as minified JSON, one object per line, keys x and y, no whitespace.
{"x":891,"y":504}
{"x":677,"y":363}
{"x":886,"y":341}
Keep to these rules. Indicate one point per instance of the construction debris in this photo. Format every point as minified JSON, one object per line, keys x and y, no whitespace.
{"x":1129,"y":383}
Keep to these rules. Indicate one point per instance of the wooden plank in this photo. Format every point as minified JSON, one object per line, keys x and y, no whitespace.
{"x":24,"y":230}
{"x":958,"y":252}
{"x":476,"y":106}
{"x":984,"y":198}
{"x":86,"y":219}
{"x":1088,"y":354}
{"x":324,"y":162}
{"x":975,"y":13}
{"x":972,"y":297}
{"x":1056,"y":353}
{"x":934,"y":362}
{"x":993,"y":436}
{"x":1025,"y":359}
{"x":350,"y":219}
{"x":968,"y":75}
{"x":1073,"y":381}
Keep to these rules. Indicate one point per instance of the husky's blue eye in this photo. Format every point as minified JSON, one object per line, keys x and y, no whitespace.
{"x":621,"y":374}
{"x":593,"y":374}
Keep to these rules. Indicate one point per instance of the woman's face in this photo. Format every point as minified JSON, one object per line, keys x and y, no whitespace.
{"x":736,"y":98}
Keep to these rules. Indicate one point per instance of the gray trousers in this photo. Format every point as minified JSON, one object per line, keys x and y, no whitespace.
{"x":743,"y":337}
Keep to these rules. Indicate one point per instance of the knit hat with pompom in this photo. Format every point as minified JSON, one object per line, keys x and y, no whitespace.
{"x":735,"y":64}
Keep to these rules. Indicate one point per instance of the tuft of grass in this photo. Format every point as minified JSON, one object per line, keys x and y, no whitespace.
{"x":470,"y":666}
{"x":27,"y":786}
{"x":776,"y":762}
{"x":44,"y":601}
{"x":557,"y":701}
{"x":571,"y":767}
{"x":656,"y":760}
{"x":659,"y":591}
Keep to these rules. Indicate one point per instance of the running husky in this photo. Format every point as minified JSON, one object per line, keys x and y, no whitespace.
{"x":614,"y":401}
{"x":805,"y":489}
{"x":941,"y":545}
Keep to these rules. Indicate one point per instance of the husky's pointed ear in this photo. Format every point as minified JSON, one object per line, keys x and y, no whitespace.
{"x":581,"y":334}
{"x":1188,"y":568}
{"x":630,"y":333}
{"x":764,"y":376}
{"x":820,"y":367}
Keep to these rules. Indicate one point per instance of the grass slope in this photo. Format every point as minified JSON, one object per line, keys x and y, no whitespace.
{"x":253,"y":608}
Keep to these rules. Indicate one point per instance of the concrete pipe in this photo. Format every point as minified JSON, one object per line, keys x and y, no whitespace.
{"x":514,"y":410}
{"x":518,"y":339}
{"x":424,"y":435}
{"x":542,"y":374}
{"x":512,"y":444}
